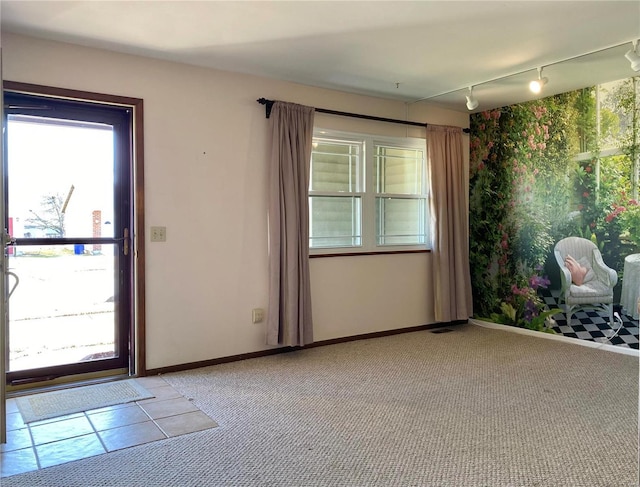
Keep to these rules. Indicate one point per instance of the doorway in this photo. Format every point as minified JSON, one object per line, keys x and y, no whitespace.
{"x":73,"y":186}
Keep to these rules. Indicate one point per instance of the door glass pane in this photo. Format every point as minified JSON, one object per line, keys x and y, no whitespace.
{"x":61,"y":178}
{"x":63,"y":310}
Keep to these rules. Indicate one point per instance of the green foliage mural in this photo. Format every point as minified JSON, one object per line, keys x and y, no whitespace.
{"x":537,"y":175}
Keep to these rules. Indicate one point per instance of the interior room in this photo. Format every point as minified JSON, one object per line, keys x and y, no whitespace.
{"x":401,"y":382}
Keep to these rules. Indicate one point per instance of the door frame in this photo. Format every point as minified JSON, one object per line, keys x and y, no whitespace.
{"x":137,"y":353}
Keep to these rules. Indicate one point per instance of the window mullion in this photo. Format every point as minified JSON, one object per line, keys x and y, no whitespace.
{"x":368,"y":198}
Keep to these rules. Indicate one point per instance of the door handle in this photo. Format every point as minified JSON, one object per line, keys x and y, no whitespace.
{"x":125,"y":243}
{"x":15,"y":284}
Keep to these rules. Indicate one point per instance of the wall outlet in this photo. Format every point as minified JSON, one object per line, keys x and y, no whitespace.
{"x":257,"y":315}
{"x":158,"y":234}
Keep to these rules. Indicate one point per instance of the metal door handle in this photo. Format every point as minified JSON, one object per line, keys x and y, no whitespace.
{"x":15,"y":285}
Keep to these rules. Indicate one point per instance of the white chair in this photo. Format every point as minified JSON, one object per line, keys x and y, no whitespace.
{"x":597,"y":289}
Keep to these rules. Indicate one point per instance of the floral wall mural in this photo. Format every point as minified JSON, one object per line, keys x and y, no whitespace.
{"x":538,"y":173}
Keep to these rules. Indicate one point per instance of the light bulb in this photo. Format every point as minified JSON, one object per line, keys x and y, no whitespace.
{"x":536,"y":85}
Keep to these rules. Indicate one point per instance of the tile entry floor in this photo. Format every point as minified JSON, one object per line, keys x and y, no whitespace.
{"x":59,"y":440}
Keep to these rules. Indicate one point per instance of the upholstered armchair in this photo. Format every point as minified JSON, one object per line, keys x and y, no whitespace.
{"x":587,"y":282}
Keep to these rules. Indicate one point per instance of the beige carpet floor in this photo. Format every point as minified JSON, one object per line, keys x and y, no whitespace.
{"x":473,"y":407}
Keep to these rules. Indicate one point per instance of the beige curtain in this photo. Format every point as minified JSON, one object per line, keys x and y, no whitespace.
{"x":450,"y":214}
{"x":289,"y":314}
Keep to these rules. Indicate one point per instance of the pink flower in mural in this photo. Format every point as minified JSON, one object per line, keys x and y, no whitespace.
{"x":585,"y":194}
{"x":617,"y":210}
{"x":588,"y":169}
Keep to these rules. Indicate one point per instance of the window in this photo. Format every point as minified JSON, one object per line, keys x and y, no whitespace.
{"x":367,"y":194}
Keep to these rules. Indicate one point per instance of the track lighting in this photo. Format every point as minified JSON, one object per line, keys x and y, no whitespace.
{"x":536,"y":85}
{"x":472,"y":103}
{"x":633,"y":57}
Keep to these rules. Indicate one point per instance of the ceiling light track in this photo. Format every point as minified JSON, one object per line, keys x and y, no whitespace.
{"x":632,"y":56}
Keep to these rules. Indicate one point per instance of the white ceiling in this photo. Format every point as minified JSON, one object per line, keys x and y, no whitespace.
{"x":405,"y":50}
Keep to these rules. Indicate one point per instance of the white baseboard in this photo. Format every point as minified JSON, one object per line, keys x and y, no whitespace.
{"x":561,"y":338}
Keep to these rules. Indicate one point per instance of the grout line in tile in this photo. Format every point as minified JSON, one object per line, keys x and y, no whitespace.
{"x":33,"y":447}
{"x":95,"y":431}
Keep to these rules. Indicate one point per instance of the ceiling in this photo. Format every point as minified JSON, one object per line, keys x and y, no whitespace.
{"x":403,"y":50}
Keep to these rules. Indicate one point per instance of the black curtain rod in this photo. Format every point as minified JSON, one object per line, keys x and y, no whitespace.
{"x":269,"y":104}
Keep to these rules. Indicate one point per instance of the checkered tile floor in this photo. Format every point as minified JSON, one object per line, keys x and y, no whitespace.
{"x":593,"y":324}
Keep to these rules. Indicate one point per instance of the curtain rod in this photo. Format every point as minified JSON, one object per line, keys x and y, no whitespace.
{"x":269,"y":104}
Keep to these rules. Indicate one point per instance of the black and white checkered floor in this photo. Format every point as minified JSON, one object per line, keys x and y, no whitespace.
{"x":593,"y":324}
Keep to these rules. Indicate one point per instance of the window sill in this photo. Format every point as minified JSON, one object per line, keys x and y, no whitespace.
{"x":356,"y":254}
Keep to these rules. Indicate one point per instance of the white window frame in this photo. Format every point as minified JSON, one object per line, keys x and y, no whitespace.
{"x":368,"y":193}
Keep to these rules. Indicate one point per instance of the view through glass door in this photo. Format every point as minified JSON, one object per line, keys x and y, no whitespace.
{"x":68,"y":207}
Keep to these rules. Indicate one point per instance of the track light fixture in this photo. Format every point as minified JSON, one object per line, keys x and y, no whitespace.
{"x":633,"y":57}
{"x":472,"y":103}
{"x":536,"y":85}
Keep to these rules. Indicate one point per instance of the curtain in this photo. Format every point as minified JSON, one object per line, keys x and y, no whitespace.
{"x":450,"y":220}
{"x":289,"y":320}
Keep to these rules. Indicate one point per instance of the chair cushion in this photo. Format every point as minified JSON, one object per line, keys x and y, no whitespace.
{"x":593,"y":288}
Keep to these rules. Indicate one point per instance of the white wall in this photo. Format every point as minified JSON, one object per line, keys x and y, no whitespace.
{"x":206,"y":181}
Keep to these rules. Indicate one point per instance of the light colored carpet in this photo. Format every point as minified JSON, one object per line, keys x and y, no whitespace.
{"x":474,"y":407}
{"x":53,"y":404}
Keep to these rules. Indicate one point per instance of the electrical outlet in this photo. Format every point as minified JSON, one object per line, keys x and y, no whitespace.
{"x":158,"y":234}
{"x":257,"y":315}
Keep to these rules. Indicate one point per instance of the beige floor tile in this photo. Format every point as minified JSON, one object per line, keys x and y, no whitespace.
{"x":56,"y":419}
{"x":68,"y":450}
{"x":135,"y":434}
{"x":63,"y":439}
{"x":109,"y":408}
{"x":12,"y":406}
{"x":18,"y":461}
{"x":182,"y":424}
{"x":161,"y":394}
{"x":15,"y":422}
{"x":16,"y":440}
{"x":153,"y":381}
{"x":115,"y":418}
{"x":169,"y":407}
{"x":49,"y":432}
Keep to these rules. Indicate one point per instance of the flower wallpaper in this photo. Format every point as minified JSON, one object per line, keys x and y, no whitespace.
{"x":538,"y":173}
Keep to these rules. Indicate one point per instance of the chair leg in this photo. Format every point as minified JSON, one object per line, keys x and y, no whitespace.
{"x":609,"y":308}
{"x":569,"y":313}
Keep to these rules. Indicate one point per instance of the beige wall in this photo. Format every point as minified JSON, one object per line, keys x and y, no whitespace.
{"x":206,"y":181}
